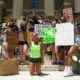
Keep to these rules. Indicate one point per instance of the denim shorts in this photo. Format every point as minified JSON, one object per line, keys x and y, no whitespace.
{"x":77,"y":40}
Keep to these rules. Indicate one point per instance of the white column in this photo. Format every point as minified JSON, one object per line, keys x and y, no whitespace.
{"x":49,"y":7}
{"x":77,"y":5}
{"x":17,"y":8}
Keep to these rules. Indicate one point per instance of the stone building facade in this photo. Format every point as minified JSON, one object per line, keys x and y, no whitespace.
{"x":16,"y":8}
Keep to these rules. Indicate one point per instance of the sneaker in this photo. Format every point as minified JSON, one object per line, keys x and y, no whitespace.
{"x":68,"y":73}
{"x":65,"y":72}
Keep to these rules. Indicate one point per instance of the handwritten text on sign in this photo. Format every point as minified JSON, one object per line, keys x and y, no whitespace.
{"x":39,"y":28}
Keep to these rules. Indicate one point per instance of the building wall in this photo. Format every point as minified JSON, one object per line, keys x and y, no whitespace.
{"x":77,"y":6}
{"x":26,"y":4}
{"x":41,"y":4}
{"x":58,"y":5}
{"x":9,"y":4}
{"x":68,"y":3}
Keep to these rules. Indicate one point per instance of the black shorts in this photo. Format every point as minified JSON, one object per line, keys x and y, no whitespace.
{"x":49,"y":44}
{"x":35,"y":60}
{"x":63,"y":49}
{"x":22,"y":42}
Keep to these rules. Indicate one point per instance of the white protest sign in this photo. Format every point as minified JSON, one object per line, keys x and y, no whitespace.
{"x":64,"y":34}
{"x":39,"y":28}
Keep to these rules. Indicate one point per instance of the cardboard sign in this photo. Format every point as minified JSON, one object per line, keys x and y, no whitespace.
{"x":64,"y":34}
{"x":39,"y":28}
{"x":12,"y":39}
{"x":9,"y":67}
{"x":48,"y":35}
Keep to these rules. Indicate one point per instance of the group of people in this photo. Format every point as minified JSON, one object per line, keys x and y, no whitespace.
{"x":27,"y":40}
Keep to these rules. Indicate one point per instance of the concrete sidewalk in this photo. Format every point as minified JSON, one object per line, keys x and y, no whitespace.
{"x":48,"y":75}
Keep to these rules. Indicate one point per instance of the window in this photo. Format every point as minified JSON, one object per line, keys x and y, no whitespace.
{"x":33,"y":4}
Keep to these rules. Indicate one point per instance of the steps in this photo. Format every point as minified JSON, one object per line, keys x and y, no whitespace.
{"x":46,"y":67}
{"x":43,"y":68}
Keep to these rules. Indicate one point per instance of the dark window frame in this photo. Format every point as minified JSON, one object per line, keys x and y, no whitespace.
{"x":33,"y":4}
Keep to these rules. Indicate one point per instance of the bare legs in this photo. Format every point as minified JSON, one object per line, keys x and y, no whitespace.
{"x":57,"y":55}
{"x":68,"y":56}
{"x":53,"y":52}
{"x":68,"y":60}
{"x":35,"y":67}
{"x":23,"y":52}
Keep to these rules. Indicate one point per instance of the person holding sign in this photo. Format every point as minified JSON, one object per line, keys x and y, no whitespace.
{"x":65,"y":42}
{"x":68,"y":60}
{"x":48,"y":37}
{"x":36,"y":55}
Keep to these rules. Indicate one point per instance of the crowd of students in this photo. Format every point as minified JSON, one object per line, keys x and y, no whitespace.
{"x":27,"y":41}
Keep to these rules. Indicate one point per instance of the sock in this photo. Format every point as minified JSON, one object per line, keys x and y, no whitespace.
{"x":69,"y":67}
{"x":66,"y":67}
